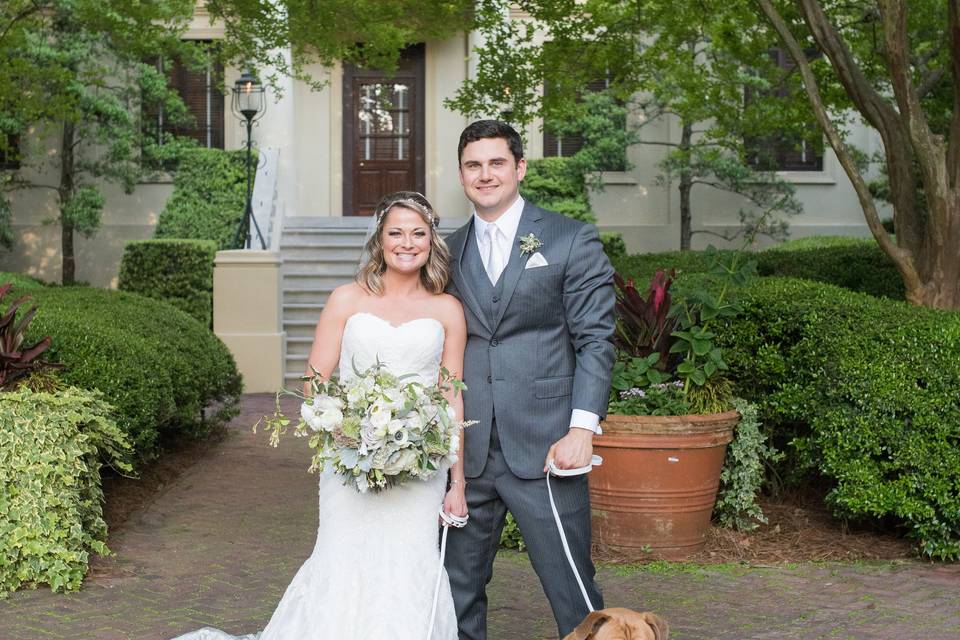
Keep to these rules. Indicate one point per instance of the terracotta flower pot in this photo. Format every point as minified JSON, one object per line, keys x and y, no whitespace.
{"x":655,"y":491}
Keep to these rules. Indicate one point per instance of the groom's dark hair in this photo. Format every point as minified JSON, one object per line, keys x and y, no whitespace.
{"x":482,"y":129}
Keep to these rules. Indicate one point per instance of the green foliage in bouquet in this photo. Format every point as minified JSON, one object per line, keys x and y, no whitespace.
{"x":376,"y":430}
{"x":52,"y":446}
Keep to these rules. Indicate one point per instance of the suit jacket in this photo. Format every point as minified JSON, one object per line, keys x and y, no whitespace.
{"x":548,"y":350}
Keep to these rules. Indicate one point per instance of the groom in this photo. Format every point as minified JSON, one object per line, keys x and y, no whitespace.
{"x":537,"y":292}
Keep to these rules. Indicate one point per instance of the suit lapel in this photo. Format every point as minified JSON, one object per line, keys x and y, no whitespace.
{"x":458,"y":245}
{"x":530,"y":222}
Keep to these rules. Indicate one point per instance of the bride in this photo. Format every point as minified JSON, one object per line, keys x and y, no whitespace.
{"x":375,"y":563}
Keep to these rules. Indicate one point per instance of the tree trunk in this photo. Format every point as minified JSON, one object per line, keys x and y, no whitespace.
{"x":65,"y":191}
{"x":686,"y":185}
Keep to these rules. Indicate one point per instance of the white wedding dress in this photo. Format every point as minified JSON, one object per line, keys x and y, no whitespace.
{"x":374,"y":566}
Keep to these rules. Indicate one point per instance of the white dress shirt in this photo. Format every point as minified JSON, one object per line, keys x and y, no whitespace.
{"x":506,"y":226}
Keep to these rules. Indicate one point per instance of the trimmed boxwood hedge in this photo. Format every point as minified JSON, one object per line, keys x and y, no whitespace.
{"x":868,"y":390}
{"x":852,"y":263}
{"x":160,"y":368}
{"x":176,"y":271}
{"x":857,"y":264}
{"x":209,"y":197}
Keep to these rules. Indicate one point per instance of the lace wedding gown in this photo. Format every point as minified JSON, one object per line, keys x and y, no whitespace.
{"x":374,"y":566}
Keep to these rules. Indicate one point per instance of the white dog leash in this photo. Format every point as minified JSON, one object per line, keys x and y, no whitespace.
{"x":596,"y":461}
{"x":449,"y":520}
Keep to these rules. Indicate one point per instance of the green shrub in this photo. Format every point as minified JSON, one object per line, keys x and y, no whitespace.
{"x":158,"y":366}
{"x":557,"y":185}
{"x":510,"y":537}
{"x":852,"y":263}
{"x":866,"y":392}
{"x":209,"y":197}
{"x":176,"y":271}
{"x":857,"y":264}
{"x":51,"y":450}
{"x":613,"y":245}
{"x":23,"y":283}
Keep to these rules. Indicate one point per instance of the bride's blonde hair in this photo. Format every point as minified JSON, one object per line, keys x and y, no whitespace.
{"x":434,"y":274}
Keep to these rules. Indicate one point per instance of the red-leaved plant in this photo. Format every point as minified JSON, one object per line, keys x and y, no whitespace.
{"x":18,"y":359}
{"x":644,"y":326}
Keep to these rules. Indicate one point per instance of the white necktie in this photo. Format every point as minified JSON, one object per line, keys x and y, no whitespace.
{"x":494,"y":261}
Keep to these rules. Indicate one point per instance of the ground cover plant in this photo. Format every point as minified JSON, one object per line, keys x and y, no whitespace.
{"x":52,"y":447}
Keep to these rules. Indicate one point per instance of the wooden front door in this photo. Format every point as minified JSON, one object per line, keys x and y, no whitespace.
{"x":382,"y":132}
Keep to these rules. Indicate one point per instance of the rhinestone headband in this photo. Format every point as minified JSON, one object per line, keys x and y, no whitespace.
{"x":411,"y":199}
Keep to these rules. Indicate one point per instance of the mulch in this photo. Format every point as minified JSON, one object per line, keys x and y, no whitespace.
{"x":800,"y":528}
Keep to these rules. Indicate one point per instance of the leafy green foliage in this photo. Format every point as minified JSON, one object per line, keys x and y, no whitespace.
{"x":17,"y":359}
{"x":179,"y":272}
{"x":209,"y":197}
{"x":853,"y":263}
{"x":862,"y":392}
{"x":367,"y":33}
{"x":558,"y":185}
{"x":742,"y":476}
{"x":52,"y":446}
{"x":613,"y":245}
{"x":83,"y":61}
{"x":159,"y":367}
{"x":510,"y":537}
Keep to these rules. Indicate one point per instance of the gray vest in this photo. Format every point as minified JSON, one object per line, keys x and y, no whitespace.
{"x":487,"y":294}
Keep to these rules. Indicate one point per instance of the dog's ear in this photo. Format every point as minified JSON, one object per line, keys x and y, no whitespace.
{"x":661,"y":630}
{"x":589,"y":627}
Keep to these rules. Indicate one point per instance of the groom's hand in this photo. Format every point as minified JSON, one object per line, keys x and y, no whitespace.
{"x":571,"y":451}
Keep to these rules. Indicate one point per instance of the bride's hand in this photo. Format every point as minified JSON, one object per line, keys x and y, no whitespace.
{"x":455,"y":502}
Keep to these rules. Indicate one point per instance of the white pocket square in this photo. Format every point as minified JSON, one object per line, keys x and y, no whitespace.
{"x":536,"y":260}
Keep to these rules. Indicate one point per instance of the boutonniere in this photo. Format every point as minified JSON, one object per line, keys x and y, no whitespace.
{"x":529,"y":244}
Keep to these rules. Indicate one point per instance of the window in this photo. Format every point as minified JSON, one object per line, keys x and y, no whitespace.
{"x":205,"y":103}
{"x":565,"y":146}
{"x":783,"y":151}
{"x":10,"y":153}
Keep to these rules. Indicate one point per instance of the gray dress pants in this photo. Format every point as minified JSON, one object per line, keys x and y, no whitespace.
{"x":472,"y":549}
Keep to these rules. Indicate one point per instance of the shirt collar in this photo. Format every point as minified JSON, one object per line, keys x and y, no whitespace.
{"x":507,"y":223}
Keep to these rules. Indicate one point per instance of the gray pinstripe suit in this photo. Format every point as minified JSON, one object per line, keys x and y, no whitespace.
{"x":539,"y":344}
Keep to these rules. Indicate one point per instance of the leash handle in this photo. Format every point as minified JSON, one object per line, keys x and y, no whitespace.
{"x":594,"y":462}
{"x":449,"y":520}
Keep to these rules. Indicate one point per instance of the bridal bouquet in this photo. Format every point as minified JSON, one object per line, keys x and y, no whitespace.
{"x":376,"y":430}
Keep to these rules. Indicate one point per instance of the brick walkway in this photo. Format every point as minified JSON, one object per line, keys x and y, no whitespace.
{"x":219,"y":545}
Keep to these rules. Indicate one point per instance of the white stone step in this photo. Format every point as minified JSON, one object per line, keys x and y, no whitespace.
{"x":308,"y":266}
{"x":298,"y":281}
{"x":302,"y":311}
{"x":299,"y":329}
{"x":323,"y":252}
{"x":307,"y":295}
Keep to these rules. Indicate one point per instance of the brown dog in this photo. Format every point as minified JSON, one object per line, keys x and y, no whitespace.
{"x":621,"y":624}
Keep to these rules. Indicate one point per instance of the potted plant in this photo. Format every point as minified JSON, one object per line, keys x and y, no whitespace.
{"x":670,"y":417}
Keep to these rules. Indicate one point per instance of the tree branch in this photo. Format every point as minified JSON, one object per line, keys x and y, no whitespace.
{"x":953,"y":142}
{"x":902,"y":258}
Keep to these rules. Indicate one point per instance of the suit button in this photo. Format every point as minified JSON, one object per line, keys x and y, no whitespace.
{"x":489,"y":379}
{"x":496,"y":299}
{"x":494,"y":342}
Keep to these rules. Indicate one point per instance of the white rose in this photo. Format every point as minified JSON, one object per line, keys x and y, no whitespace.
{"x":331,"y":419}
{"x":394,"y":398}
{"x":380,"y":416}
{"x":354,"y":394}
{"x":399,"y":461}
{"x":324,"y":403}
{"x":368,"y":433}
{"x":393,"y":426}
{"x":414,"y":421}
{"x":306,"y":411}
{"x":315,"y":423}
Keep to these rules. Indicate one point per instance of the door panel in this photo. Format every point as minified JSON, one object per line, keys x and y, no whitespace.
{"x":383,"y":133}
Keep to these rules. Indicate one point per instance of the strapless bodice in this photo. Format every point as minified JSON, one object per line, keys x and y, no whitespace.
{"x":414,"y":347}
